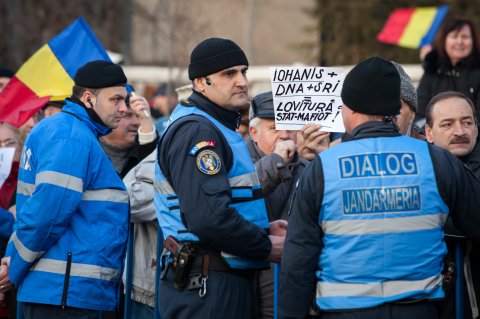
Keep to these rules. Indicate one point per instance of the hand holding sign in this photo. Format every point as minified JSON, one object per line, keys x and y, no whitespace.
{"x":303,"y":95}
{"x":314,"y":139}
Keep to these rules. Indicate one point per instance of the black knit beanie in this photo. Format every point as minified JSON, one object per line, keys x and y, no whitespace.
{"x":373,"y":87}
{"x":100,"y":74}
{"x":213,"y":55}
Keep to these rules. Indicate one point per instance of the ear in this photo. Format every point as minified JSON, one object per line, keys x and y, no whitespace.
{"x":85,"y":97}
{"x":428,"y":133}
{"x":253,"y":133}
{"x":199,"y":84}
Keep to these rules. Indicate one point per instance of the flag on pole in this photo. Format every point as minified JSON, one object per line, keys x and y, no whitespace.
{"x":48,"y":74}
{"x":412,"y":27}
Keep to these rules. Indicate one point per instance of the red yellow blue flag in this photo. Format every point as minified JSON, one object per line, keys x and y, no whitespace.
{"x":412,"y":27}
{"x":48,"y":74}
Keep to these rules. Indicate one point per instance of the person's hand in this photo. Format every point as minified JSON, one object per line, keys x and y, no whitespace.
{"x":5,"y":284}
{"x":13,"y":210}
{"x":286,"y":149}
{"x":278,"y":228}
{"x":314,"y":140}
{"x":424,"y":51}
{"x":141,"y":108}
{"x":277,"y":249}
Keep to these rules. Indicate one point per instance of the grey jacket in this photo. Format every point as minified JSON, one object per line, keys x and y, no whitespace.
{"x":139,"y":184}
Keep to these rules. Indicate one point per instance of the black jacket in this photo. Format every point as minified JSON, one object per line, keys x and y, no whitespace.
{"x":205,"y":199}
{"x":441,"y":76}
{"x":447,"y":307}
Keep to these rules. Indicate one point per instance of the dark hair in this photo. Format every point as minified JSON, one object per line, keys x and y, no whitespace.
{"x":443,"y":96}
{"x":78,"y":91}
{"x":455,"y":24}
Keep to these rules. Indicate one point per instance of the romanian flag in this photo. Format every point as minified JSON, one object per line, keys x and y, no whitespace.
{"x":412,"y":27}
{"x":48,"y":74}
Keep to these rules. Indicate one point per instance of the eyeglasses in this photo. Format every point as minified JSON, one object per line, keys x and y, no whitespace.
{"x":8,"y":143}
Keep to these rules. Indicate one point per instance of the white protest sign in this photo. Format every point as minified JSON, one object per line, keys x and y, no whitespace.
{"x":6,"y":159}
{"x":303,"y":95}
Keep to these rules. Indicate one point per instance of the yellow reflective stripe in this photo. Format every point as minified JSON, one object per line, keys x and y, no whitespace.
{"x":163,"y":187}
{"x":59,"y":179}
{"x":108,"y":195}
{"x":25,"y":188}
{"x":380,"y":289}
{"x":77,"y":269}
{"x":245,"y":180}
{"x":383,"y":225}
{"x":26,"y":254}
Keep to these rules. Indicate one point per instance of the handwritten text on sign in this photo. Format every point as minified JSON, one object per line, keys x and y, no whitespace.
{"x":303,"y":95}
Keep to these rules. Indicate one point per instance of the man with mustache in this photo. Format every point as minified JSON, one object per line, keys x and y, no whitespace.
{"x":451,"y":123}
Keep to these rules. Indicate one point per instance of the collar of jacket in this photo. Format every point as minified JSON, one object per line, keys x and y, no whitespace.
{"x":474,"y":156}
{"x":230,"y":119}
{"x":375,"y":129}
{"x":79,"y":110}
{"x":433,"y":63}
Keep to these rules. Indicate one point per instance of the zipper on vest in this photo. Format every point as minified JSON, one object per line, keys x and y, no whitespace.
{"x":67,"y":280}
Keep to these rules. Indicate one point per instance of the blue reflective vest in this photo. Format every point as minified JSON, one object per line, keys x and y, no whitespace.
{"x":243,"y":180}
{"x":383,"y":234}
{"x":69,"y":242}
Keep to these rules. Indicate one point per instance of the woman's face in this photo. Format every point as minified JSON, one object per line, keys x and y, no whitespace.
{"x":8,"y":139}
{"x":458,"y":44}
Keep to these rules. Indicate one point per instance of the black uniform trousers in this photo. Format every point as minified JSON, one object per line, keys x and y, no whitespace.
{"x":416,"y":310}
{"x":228,"y":296}
{"x":43,"y":311}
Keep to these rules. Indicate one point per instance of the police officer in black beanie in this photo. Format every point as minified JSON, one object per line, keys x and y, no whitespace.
{"x":365,"y":231}
{"x":209,"y":195}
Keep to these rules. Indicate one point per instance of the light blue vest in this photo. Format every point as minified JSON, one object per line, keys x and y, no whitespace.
{"x":243,"y":181}
{"x":383,"y":234}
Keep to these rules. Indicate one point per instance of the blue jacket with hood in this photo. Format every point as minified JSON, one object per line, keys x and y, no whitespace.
{"x":69,"y":239}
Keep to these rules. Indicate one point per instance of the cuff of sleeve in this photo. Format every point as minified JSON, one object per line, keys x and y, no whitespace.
{"x":283,"y":171}
{"x":278,"y":160}
{"x":145,"y":138}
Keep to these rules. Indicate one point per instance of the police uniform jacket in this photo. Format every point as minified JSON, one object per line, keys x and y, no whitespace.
{"x":70,"y":236}
{"x":204,"y":193}
{"x":307,"y":272}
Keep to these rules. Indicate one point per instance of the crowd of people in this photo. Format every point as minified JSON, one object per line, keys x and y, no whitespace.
{"x":380,"y":223}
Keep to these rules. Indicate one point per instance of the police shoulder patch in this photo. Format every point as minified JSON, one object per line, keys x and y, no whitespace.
{"x":208,"y":162}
